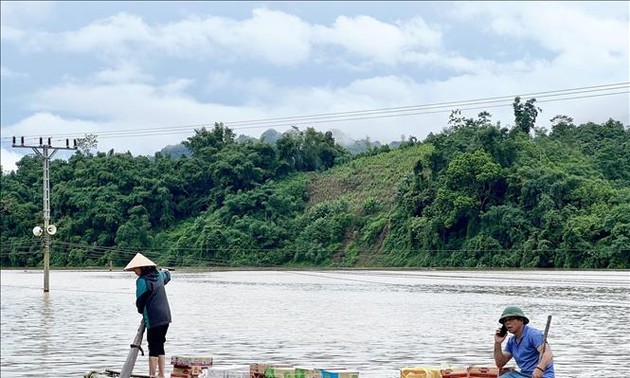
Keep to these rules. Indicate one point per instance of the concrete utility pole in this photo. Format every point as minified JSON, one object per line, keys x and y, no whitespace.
{"x":46,"y":153}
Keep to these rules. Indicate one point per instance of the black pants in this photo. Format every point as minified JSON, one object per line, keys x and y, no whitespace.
{"x":156,"y":337}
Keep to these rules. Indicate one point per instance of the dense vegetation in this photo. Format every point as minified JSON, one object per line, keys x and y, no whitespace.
{"x":475,"y":195}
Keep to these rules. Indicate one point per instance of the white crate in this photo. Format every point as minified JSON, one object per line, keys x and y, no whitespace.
{"x":226,"y":371}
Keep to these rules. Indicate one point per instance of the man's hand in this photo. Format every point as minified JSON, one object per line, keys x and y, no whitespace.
{"x":497,"y":338}
{"x":500,"y":358}
{"x":537,"y":373}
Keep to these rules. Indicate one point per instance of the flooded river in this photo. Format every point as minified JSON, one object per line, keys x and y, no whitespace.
{"x":373,"y":321}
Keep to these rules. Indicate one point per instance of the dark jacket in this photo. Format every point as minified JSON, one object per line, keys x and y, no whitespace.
{"x":151,"y":299}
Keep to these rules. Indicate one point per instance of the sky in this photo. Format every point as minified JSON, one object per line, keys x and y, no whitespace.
{"x":144,"y":75}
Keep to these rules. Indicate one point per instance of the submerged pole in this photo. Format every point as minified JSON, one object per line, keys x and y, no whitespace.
{"x":46,"y":213}
{"x":49,"y":229}
{"x":132,"y":356}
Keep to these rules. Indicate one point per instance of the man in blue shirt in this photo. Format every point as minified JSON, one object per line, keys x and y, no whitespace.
{"x":526,"y":346}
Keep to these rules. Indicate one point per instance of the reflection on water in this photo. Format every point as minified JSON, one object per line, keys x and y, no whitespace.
{"x":373,"y":321}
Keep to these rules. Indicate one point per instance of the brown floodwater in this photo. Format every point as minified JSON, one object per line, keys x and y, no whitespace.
{"x":372,"y":321}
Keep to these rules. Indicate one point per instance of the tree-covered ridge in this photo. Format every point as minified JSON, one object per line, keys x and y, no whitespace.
{"x":108,"y":204}
{"x":488,"y":196}
{"x":475,"y":195}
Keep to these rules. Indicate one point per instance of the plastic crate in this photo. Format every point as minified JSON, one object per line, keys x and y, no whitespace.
{"x":483,"y":372}
{"x":420,"y":372}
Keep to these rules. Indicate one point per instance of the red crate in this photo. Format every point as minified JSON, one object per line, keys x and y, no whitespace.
{"x":483,"y":372}
{"x":454,"y":373}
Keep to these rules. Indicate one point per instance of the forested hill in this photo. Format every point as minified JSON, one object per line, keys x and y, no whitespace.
{"x":475,"y":195}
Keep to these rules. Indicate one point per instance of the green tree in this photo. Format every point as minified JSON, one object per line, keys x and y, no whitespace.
{"x":525,"y":114}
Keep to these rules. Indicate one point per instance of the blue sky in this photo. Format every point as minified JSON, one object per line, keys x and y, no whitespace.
{"x":115,"y":69}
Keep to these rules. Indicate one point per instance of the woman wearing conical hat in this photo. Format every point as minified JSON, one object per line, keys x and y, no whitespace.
{"x":152,"y":303}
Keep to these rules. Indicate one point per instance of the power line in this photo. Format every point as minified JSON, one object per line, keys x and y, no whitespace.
{"x":99,"y":252}
{"x":412,"y":110}
{"x":440,"y":104}
{"x":125,"y":134}
{"x":156,"y":251}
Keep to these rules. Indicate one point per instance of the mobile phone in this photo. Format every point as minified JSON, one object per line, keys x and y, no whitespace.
{"x":503,"y":331}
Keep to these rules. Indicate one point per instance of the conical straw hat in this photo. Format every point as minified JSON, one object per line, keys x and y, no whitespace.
{"x":139,"y":261}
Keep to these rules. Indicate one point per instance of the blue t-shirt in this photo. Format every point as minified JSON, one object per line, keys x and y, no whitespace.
{"x":525,"y":351}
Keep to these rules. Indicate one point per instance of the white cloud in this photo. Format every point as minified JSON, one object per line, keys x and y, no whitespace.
{"x":24,"y":12}
{"x":109,"y":110}
{"x":274,"y":37}
{"x":219,"y":80}
{"x":114,"y":101}
{"x":381,"y":41}
{"x":257,"y":92}
{"x":111,"y":34}
{"x":122,"y":73}
{"x":168,"y":115}
{"x":42,"y":124}
{"x":586,"y":44}
{"x":418,"y":33}
{"x":7,"y":73}
{"x":558,"y":26}
{"x":132,"y":91}
{"x":582,"y":34}
{"x":17,"y":17}
{"x":365,"y":36}
{"x":9,"y":160}
{"x":456,"y":62}
{"x":280,"y":38}
{"x":10,"y":33}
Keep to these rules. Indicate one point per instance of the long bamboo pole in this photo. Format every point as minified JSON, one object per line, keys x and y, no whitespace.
{"x":132,"y":356}
{"x":542,"y":352}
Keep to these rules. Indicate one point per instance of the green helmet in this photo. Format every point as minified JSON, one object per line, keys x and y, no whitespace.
{"x":513,"y":311}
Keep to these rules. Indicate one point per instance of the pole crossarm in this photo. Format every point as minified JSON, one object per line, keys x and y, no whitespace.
{"x":44,"y":145}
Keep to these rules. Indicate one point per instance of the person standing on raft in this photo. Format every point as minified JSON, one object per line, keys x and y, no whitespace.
{"x":152,"y":303}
